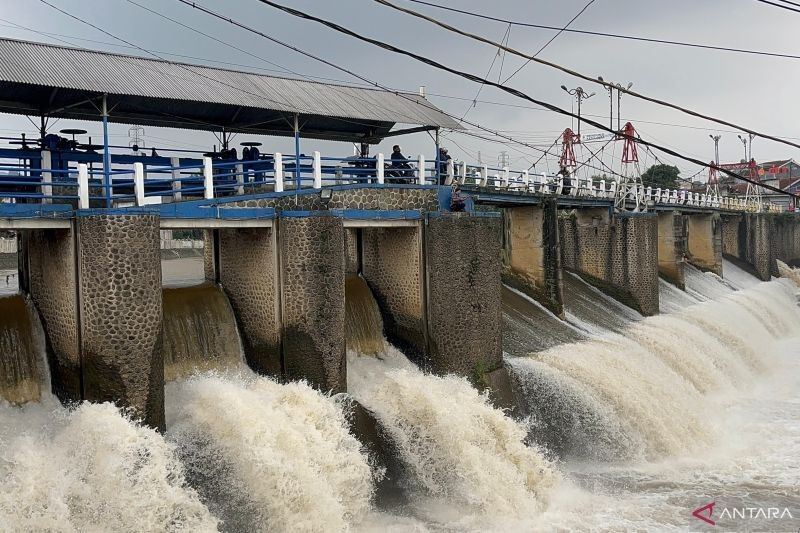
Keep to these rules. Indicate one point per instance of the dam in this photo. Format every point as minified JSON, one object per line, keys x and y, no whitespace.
{"x":341,"y":344}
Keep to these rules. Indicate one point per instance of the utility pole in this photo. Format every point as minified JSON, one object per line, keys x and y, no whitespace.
{"x":502,"y":159}
{"x":712,"y":185}
{"x":581,"y":95}
{"x":610,"y":89}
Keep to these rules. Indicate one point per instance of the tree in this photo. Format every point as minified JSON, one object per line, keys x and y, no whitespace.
{"x":664,"y":176}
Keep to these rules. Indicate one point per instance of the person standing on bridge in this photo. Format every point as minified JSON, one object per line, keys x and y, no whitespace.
{"x":444,"y":158}
{"x":399,"y":161}
{"x":566,"y":181}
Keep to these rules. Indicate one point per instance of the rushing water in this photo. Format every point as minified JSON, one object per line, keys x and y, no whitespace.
{"x":631,"y":424}
{"x":23,"y":376}
{"x":91,"y":469}
{"x":199,"y":331}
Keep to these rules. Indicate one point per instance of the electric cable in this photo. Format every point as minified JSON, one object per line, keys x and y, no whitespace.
{"x":532,"y":58}
{"x":509,"y":90}
{"x":610,"y":35}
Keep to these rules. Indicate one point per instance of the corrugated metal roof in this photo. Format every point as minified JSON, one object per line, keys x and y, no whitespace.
{"x":79,"y":69}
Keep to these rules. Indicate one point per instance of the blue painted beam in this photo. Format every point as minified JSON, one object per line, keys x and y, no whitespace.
{"x":35,"y":210}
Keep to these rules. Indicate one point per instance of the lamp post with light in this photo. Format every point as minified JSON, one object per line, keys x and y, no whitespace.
{"x":580,"y":95}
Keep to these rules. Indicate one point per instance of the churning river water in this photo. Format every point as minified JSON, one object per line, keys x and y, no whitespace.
{"x":628,"y":423}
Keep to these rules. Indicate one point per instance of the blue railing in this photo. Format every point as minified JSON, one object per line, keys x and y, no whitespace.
{"x":29,"y":176}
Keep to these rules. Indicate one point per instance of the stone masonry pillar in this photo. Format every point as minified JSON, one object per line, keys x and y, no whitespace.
{"x":616,"y":253}
{"x":748,"y":238}
{"x":704,"y":249}
{"x":462,"y":256}
{"x":672,"y":247}
{"x":52,"y":286}
{"x":312,"y":260}
{"x":531,"y":254}
{"x":248,"y":272}
{"x":392,"y":266}
{"x":755,"y":244}
{"x":120,"y":312}
{"x":787,"y":238}
{"x":209,"y":255}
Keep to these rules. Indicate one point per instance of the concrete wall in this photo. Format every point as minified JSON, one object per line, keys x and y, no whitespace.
{"x":312,"y":277}
{"x":248,"y":272}
{"x":52,"y":280}
{"x":393,"y":268}
{"x":704,"y":246}
{"x":120,"y":311}
{"x":462,"y":257}
{"x":672,"y":230}
{"x":618,"y":254}
{"x":531,"y":254}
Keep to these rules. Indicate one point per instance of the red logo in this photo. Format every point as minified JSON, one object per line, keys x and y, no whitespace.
{"x":699,"y":513}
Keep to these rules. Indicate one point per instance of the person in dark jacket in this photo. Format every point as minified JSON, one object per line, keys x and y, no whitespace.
{"x":400,"y":163}
{"x":444,"y":158}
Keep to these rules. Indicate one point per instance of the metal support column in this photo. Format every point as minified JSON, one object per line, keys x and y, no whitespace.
{"x":297,"y":151}
{"x":107,"y":192}
{"x":437,"y":174}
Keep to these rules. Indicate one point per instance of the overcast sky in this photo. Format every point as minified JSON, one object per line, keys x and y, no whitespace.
{"x":756,"y":91}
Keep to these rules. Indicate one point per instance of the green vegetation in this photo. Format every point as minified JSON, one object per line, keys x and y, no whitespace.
{"x":664,"y":176}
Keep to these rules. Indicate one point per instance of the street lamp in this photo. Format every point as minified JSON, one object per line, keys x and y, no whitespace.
{"x":610,"y":89}
{"x":581,"y":95}
{"x":748,"y":154}
{"x":716,"y":139}
{"x":619,"y":102}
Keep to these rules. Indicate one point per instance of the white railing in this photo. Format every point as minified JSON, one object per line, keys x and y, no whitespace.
{"x":208,"y":179}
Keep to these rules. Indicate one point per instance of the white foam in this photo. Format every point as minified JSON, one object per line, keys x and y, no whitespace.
{"x":269,"y":456}
{"x":90,"y":469}
{"x":463,"y":456}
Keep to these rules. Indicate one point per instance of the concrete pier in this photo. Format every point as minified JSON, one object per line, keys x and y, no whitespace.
{"x":52,"y":284}
{"x":617,"y":253}
{"x":392,"y":264}
{"x":748,"y":237}
{"x":120,"y":313}
{"x":248,"y":272}
{"x":704,"y":244}
{"x":531,"y":254}
{"x":672,"y":237}
{"x":312,"y":270}
{"x":786,"y":239}
{"x":462,"y":256}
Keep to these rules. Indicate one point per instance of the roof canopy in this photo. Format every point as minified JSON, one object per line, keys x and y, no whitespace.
{"x":57,"y":81}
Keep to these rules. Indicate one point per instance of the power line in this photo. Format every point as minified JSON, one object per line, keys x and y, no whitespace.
{"x":553,"y":38}
{"x":611,"y":35}
{"x":179,"y":23}
{"x":506,"y":35}
{"x":780,"y":5}
{"x":366,"y":80}
{"x":509,"y":90}
{"x":185,"y":67}
{"x":311,"y":77}
{"x":188,"y":68}
{"x":540,"y":61}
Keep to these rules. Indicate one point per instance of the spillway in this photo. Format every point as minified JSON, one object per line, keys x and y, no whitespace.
{"x":199,"y":331}
{"x":628,"y":422}
{"x":23,"y":368}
